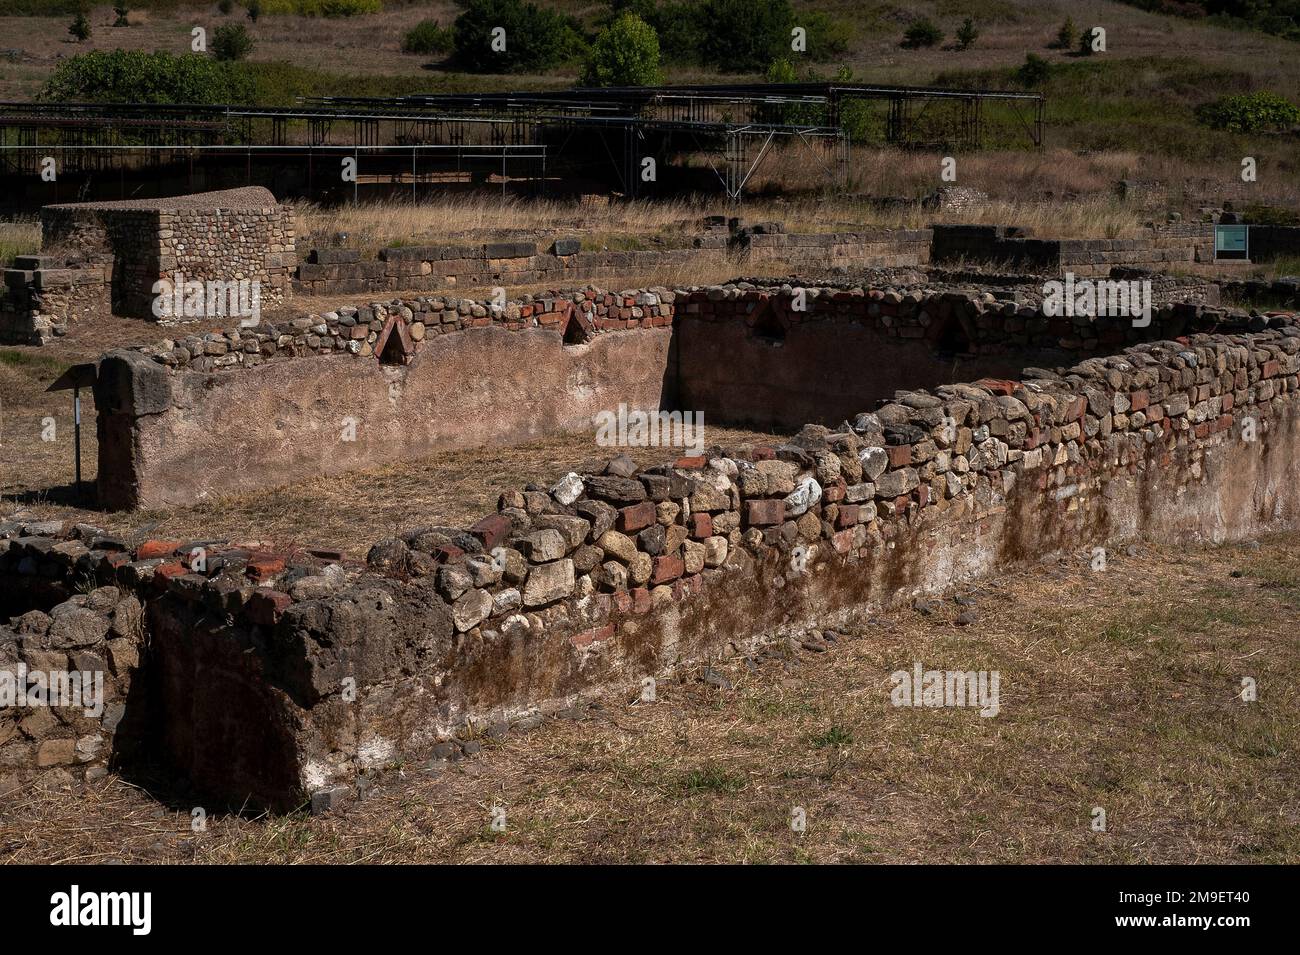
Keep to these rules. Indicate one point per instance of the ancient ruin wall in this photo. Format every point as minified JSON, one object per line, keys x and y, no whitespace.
{"x":608,"y":577}
{"x":563,"y":261}
{"x":235,"y":234}
{"x":387,"y":382}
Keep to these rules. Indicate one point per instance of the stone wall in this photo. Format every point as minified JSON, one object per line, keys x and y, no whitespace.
{"x":1016,"y":248}
{"x":92,"y":638}
{"x":42,"y":294}
{"x":1268,"y":242}
{"x":608,"y":576}
{"x":236,"y":234}
{"x":561,"y":259}
{"x":361,"y":386}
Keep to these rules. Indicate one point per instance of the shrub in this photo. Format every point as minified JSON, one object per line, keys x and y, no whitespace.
{"x":828,"y":37}
{"x":254,"y":9}
{"x":1064,"y":36}
{"x":1034,"y":71}
{"x":225,"y":6}
{"x":1085,"y":42}
{"x":967,"y":34}
{"x":535,"y":38}
{"x":625,"y":54}
{"x":134,"y":76}
{"x":922,"y":32}
{"x":1249,"y":112}
{"x":231,"y":41}
{"x":121,"y":14}
{"x":323,"y":8}
{"x":80,"y":28}
{"x":426,"y":38}
{"x":744,"y":36}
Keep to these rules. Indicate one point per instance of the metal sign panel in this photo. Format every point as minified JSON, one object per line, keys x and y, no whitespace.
{"x":1231,"y":242}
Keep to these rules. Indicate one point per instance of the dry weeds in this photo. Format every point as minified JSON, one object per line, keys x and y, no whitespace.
{"x":1119,"y":690}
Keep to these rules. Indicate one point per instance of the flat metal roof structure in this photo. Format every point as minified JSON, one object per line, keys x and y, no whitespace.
{"x":734,"y":125}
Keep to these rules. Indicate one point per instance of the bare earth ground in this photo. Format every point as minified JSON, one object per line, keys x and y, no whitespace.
{"x":1119,"y":690}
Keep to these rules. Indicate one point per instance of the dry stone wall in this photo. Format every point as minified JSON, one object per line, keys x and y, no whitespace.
{"x":68,"y":664}
{"x":1017,"y":248}
{"x":284,"y":674}
{"x":42,"y":294}
{"x":360,"y":386}
{"x":231,"y":235}
{"x":562,"y":260}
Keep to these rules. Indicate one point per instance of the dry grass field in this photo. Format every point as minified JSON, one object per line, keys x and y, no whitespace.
{"x":1118,"y":690}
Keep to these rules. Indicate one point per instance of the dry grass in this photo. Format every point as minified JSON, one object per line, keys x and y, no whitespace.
{"x":650,"y":224}
{"x":20,"y":236}
{"x":1119,"y":690}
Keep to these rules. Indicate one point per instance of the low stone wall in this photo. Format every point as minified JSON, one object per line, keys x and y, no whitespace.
{"x":280,"y":675}
{"x":68,"y":671}
{"x":562,"y":261}
{"x":1016,"y":248}
{"x":1268,"y":242}
{"x":362,"y":386}
{"x":43,"y":294}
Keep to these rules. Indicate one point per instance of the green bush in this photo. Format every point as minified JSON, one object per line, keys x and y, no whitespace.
{"x":922,"y":32}
{"x":322,"y":8}
{"x":231,"y":41}
{"x":744,"y":36}
{"x":967,"y":34}
{"x":535,"y":38}
{"x":427,"y":38}
{"x":1085,"y":42}
{"x":625,"y":54}
{"x":134,"y":76}
{"x":828,"y":37}
{"x":225,"y":6}
{"x":1065,"y":35}
{"x":254,"y":9}
{"x":1034,"y":71}
{"x":121,"y":13}
{"x":1249,"y":112}
{"x":80,"y":28}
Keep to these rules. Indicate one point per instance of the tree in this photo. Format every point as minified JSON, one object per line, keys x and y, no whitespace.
{"x":1064,"y":36}
{"x":511,"y":36}
{"x":1034,"y":71}
{"x":80,"y":28}
{"x":134,"y":76}
{"x":1085,"y":42}
{"x":967,"y":34}
{"x":231,"y":42}
{"x":922,"y":32}
{"x":744,"y":36}
{"x":427,"y":38}
{"x":626,"y":53}
{"x":1249,"y":112}
{"x":254,"y":9}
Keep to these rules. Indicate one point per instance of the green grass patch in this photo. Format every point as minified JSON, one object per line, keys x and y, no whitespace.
{"x":711,"y":778}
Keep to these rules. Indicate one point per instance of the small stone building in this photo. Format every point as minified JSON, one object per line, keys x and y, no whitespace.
{"x":109,"y":255}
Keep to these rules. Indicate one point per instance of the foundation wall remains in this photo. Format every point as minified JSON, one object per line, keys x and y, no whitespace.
{"x":236,"y":234}
{"x":562,"y":260}
{"x":606,"y":577}
{"x":1017,"y":249}
{"x":43,"y":294}
{"x":363,"y":386}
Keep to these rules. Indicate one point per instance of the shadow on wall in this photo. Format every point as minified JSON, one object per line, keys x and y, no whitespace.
{"x":781,"y":375}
